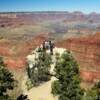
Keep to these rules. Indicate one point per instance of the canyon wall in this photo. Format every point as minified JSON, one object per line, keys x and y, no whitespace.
{"x":15,"y":53}
{"x":86,"y":51}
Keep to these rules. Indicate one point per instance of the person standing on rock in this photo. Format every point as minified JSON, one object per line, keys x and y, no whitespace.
{"x":51,"y":44}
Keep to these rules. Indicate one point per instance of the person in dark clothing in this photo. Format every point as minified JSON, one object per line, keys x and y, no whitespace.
{"x":43,"y":44}
{"x":28,"y":72}
{"x":51,"y":47}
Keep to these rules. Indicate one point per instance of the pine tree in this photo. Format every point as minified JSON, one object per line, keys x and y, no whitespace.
{"x":93,"y":93}
{"x":7,"y":81}
{"x":40,"y":71}
{"x":67,"y":87}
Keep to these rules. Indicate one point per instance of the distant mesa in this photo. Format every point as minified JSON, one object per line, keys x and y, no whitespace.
{"x":8,"y":15}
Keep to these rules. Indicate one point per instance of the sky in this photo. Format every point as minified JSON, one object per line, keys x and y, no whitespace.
{"x":86,"y":6}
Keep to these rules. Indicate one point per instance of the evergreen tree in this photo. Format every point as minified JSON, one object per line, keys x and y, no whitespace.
{"x":93,"y":93}
{"x":67,"y":87}
{"x":40,"y":71}
{"x":7,"y":81}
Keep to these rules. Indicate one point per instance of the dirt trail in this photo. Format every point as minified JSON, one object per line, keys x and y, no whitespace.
{"x":42,"y":92}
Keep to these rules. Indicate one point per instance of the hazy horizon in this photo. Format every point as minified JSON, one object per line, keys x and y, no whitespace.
{"x":4,"y":12}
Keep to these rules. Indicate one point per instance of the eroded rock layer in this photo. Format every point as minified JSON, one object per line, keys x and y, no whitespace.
{"x":87,"y":52}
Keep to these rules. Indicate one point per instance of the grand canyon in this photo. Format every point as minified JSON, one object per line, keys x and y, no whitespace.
{"x":22,"y":32}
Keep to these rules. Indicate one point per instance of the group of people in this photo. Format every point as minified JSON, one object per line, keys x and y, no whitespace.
{"x":48,"y":45}
{"x":45,"y":46}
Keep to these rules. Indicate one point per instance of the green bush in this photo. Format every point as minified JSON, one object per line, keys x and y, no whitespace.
{"x":55,"y":90}
{"x":29,"y":84}
{"x":93,"y":93}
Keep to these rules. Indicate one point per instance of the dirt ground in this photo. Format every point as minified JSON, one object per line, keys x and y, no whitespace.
{"x":42,"y":92}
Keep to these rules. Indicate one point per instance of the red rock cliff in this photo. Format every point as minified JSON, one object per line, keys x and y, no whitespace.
{"x":86,"y":50}
{"x":15,"y":53}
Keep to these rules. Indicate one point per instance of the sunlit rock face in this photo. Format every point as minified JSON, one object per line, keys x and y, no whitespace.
{"x":86,"y":51}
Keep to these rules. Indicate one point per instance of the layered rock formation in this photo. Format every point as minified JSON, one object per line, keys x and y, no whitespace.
{"x":15,"y":53}
{"x":86,"y":50}
{"x":26,"y":18}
